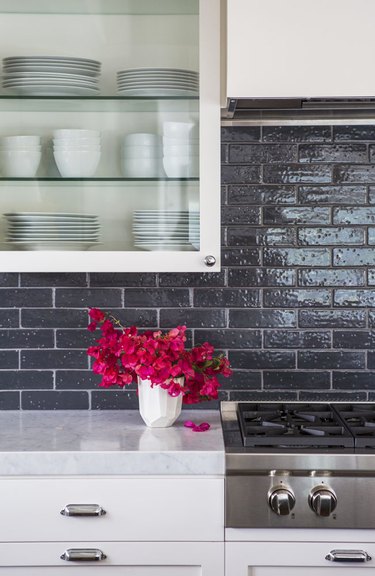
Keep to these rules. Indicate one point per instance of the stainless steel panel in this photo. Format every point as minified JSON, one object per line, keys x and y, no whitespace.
{"x":247,"y":503}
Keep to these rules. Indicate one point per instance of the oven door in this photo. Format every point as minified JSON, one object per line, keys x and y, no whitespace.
{"x":299,"y":558}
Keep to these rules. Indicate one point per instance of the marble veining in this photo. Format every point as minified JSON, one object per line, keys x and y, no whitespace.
{"x":107,"y":443}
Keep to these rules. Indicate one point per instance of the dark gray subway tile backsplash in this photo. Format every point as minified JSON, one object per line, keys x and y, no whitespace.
{"x":346,"y":195}
{"x":318,"y":134}
{"x":293,"y":307}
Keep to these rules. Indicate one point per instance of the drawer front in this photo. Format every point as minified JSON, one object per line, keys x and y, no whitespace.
{"x":298,"y":558}
{"x":153,"y":509}
{"x":121,"y":559}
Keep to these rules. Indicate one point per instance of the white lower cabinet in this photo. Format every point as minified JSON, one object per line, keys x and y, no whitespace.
{"x":125,"y":559}
{"x":112,"y":526}
{"x":302,"y":571}
{"x":136,"y":509}
{"x":294,"y":559}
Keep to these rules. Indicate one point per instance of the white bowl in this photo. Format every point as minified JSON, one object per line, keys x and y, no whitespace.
{"x":77,"y":137}
{"x":181,"y":150}
{"x":19,"y":141}
{"x":181,"y":129}
{"x":21,"y":148}
{"x":77,"y":163}
{"x":77,"y":141}
{"x":181,"y":166}
{"x":180,"y":141}
{"x":142,"y":151}
{"x":19,"y":163}
{"x":142,"y":167}
{"x":75,"y":148}
{"x":141,"y":139}
{"x":75,"y":133}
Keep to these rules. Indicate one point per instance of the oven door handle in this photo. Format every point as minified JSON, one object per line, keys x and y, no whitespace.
{"x":348,"y":556}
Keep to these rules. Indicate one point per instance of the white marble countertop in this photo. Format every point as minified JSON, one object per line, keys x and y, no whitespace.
{"x":71,"y":442}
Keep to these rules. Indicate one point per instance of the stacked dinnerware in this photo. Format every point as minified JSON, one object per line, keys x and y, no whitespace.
{"x":51,"y":76}
{"x":77,"y":152}
{"x":20,"y":156}
{"x":194,"y":230}
{"x":158,"y":82}
{"x":52,"y":230}
{"x":141,"y":156}
{"x":165,"y":229}
{"x":181,"y":149}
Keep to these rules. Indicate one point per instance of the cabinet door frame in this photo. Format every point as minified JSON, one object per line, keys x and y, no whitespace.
{"x":209,"y":186}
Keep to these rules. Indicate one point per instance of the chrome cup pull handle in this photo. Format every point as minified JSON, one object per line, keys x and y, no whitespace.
{"x":83,"y":555}
{"x":82,"y":510}
{"x":348,"y":556}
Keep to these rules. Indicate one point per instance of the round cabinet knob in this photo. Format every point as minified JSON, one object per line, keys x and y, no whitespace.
{"x":322,"y":501}
{"x":281,"y":501}
{"x":210,"y":261}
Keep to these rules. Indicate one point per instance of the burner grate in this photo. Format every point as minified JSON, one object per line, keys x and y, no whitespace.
{"x":360,"y":419}
{"x":292,"y":425}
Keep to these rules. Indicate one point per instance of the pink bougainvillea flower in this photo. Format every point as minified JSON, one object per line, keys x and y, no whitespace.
{"x":175,"y":389}
{"x":122,"y":355}
{"x":96,"y":315}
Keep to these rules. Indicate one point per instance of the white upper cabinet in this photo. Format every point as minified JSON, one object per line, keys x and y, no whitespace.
{"x":104,"y":199}
{"x":300,"y":49}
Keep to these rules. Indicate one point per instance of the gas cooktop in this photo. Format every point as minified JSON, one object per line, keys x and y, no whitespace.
{"x":298,"y":465}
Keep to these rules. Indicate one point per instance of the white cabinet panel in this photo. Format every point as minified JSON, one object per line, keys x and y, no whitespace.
{"x":143,"y":509}
{"x":298,"y":48}
{"x":305,"y":571}
{"x":125,"y":559}
{"x":151,"y":526}
{"x":105,"y":571}
{"x":294,"y":559}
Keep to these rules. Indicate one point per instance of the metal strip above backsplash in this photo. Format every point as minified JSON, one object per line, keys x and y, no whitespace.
{"x":270,"y":112}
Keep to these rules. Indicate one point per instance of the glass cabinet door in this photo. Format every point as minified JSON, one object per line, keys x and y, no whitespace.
{"x":109,"y":135}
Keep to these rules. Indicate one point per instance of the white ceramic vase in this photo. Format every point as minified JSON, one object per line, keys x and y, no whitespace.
{"x":157,"y":408}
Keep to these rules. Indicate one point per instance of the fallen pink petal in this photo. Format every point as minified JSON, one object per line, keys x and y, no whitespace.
{"x":189,"y":424}
{"x":203,"y":427}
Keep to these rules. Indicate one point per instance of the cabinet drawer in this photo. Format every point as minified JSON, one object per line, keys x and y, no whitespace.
{"x":136,"y":509}
{"x":125,"y":559}
{"x":295,"y":558}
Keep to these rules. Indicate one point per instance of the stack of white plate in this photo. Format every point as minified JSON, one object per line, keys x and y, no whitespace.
{"x":181,"y":149}
{"x":52,"y":230}
{"x":194,"y":231}
{"x":165,"y":229}
{"x":51,"y":76}
{"x":158,"y":82}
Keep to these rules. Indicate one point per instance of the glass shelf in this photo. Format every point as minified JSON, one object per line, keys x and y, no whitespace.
{"x":97,"y":98}
{"x":104,"y":7}
{"x":99,"y":103}
{"x":109,"y":180}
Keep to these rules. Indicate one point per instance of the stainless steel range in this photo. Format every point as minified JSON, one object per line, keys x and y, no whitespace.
{"x":298,"y":465}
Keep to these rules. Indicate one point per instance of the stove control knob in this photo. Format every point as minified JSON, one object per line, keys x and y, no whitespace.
{"x":281,"y":501}
{"x":322,"y":500}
